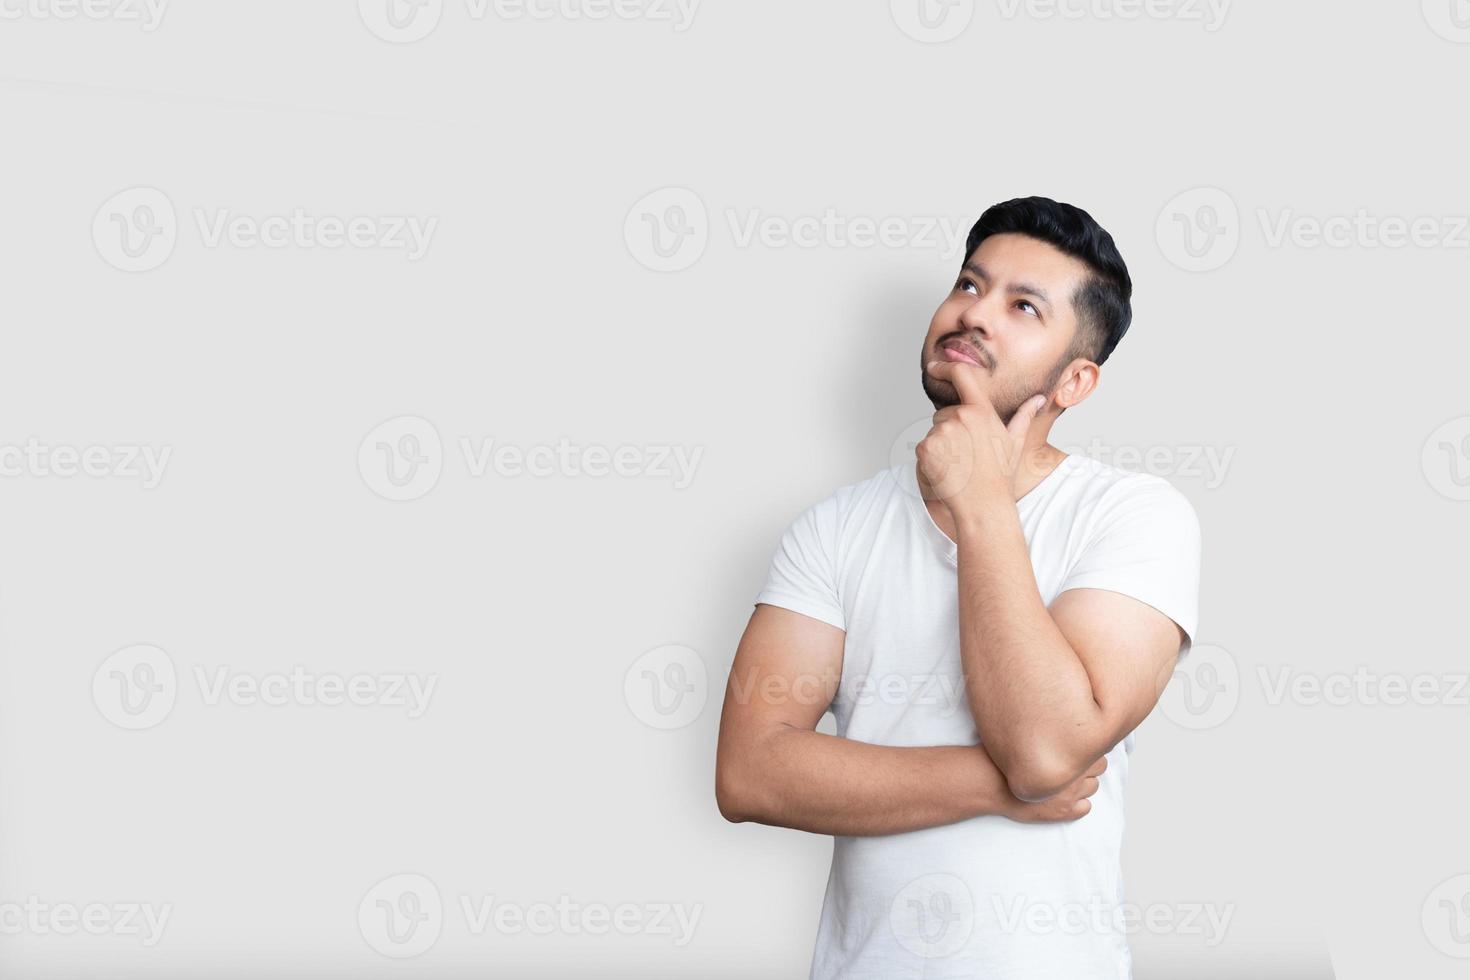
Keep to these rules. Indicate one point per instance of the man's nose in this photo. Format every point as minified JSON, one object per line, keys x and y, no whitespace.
{"x":978,"y":316}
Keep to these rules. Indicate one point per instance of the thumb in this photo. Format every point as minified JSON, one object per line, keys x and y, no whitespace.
{"x":1024,"y":416}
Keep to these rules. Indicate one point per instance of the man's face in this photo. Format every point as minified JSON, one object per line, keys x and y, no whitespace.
{"x":1012,"y":308}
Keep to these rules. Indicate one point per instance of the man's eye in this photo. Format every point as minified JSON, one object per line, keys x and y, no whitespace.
{"x":964,"y":284}
{"x":1033,"y":309}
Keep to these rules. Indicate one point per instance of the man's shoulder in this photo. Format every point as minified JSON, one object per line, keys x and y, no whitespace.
{"x":851,"y":501}
{"x":1109,"y":476}
{"x":878,"y":487}
{"x":1117,"y":488}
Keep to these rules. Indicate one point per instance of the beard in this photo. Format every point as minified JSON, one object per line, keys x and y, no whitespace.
{"x":1005,"y":397}
{"x":1006,"y":403}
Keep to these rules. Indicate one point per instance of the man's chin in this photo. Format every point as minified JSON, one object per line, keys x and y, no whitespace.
{"x":941,"y":394}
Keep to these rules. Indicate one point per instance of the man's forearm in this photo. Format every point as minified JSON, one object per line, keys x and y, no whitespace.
{"x":825,"y":784}
{"x":1027,"y":688}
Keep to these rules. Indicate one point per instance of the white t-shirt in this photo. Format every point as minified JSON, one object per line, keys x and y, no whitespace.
{"x":986,"y":897}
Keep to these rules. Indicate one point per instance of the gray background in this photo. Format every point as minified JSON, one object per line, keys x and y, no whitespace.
{"x":1333,"y":541}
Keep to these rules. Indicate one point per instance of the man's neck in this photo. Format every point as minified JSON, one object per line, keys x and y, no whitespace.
{"x":1036,"y":465}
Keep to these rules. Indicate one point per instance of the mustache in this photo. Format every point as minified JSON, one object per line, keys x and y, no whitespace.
{"x":980,"y":352}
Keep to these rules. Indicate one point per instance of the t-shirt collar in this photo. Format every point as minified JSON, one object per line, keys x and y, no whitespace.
{"x":909,"y":482}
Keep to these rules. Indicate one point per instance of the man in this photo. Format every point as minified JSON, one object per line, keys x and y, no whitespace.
{"x":988,"y":622}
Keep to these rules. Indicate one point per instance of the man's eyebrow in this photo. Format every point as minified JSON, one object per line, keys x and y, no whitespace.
{"x":1024,"y":288}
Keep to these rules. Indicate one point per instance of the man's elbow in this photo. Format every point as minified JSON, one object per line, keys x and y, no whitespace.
{"x":1037,"y":775}
{"x":731,"y":795}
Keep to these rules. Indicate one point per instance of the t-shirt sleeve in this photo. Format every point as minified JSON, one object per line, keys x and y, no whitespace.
{"x":803,"y":572}
{"x":1146,"y":544}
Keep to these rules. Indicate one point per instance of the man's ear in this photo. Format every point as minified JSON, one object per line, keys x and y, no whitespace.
{"x":1077,"y":381}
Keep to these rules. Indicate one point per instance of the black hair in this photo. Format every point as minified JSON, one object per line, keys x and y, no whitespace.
{"x":1103,"y":302}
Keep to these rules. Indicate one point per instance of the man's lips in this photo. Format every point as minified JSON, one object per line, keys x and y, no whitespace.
{"x":958,"y":350}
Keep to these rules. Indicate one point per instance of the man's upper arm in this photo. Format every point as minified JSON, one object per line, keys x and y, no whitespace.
{"x":1129,"y":606}
{"x":789,"y":662}
{"x":1128,"y":649}
{"x":786,"y":672}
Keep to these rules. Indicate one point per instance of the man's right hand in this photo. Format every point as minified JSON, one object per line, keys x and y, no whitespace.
{"x":1070,"y":804}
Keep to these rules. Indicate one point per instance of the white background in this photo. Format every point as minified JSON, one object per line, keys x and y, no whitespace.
{"x":1334,"y":539}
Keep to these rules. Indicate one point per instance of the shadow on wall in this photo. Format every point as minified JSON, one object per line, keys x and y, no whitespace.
{"x":883,"y":394}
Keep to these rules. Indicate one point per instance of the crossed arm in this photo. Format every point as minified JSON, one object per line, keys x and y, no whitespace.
{"x":1055,"y":690}
{"x":1052,"y":689}
{"x":773,"y":767}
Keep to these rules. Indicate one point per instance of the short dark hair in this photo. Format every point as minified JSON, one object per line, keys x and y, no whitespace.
{"x":1103,"y":302}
